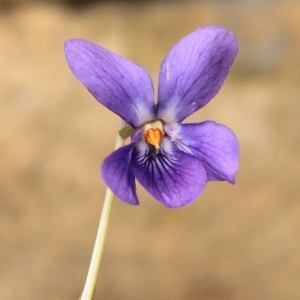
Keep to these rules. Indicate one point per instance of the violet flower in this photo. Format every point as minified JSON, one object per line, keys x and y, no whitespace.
{"x":172,"y":161}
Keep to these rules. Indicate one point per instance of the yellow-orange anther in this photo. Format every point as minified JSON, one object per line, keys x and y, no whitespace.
{"x":153,"y":133}
{"x":153,"y":136}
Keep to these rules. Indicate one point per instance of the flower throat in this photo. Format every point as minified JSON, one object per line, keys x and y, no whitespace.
{"x":153,"y":133}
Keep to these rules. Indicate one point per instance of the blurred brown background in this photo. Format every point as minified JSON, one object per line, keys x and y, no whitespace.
{"x":234,"y":243}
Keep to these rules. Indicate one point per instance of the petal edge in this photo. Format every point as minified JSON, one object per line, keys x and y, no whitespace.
{"x":215,"y":145}
{"x":117,"y":174}
{"x":194,"y":71}
{"x":122,"y":86}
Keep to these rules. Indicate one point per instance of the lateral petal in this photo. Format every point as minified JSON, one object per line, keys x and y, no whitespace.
{"x":215,"y":145}
{"x":173,"y":177}
{"x":193,"y":72}
{"x":118,"y":176}
{"x":122,"y":86}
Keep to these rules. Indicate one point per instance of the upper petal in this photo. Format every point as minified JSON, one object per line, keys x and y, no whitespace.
{"x":173,"y":177}
{"x":193,"y":72}
{"x":215,"y":145}
{"x":120,"y":85}
{"x":118,"y":176}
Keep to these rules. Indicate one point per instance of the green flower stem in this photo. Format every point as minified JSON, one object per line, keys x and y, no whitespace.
{"x":90,"y":284}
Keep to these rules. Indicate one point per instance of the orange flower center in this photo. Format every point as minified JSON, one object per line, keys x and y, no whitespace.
{"x":153,"y":136}
{"x":153,"y":133}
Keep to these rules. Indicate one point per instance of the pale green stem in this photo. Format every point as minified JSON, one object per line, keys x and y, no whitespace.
{"x":89,"y":287}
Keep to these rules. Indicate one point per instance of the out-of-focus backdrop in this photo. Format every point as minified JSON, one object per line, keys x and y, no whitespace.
{"x":238,"y":242}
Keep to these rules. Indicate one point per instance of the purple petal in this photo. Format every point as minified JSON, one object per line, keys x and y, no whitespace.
{"x":215,"y":145}
{"x":173,"y":177}
{"x":194,"y":71}
{"x":118,"y":176}
{"x":120,"y":85}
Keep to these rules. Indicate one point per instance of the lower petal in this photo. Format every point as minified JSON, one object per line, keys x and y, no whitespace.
{"x":173,"y":177}
{"x":215,"y":145}
{"x":118,"y":176}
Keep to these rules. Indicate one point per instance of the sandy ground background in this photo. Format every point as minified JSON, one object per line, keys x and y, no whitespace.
{"x":235,"y":243}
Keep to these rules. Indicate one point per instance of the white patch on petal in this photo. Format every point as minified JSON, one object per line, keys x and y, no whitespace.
{"x":144,"y":114}
{"x":183,"y":147}
{"x":168,"y":71}
{"x":166,"y":145}
{"x":169,"y":114}
{"x":172,"y":130}
{"x":142,"y":146}
{"x":179,"y":140}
